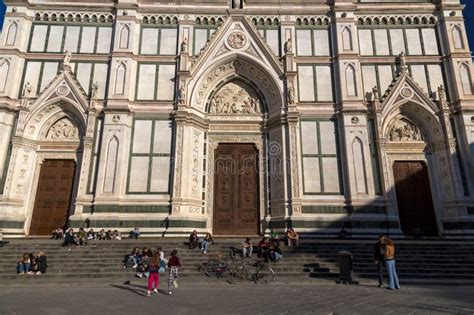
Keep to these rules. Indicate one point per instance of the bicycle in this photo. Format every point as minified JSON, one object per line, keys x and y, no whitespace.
{"x":263,"y":273}
{"x":218,"y":268}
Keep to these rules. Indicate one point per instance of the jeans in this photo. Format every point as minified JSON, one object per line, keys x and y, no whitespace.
{"x":23,"y":267}
{"x":248,"y":251}
{"x":205,"y":246}
{"x":380,"y":271}
{"x":392,"y":274}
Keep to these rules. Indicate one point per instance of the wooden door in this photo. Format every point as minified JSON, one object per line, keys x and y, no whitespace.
{"x":236,"y":190}
{"x":53,"y":196}
{"x":415,"y":205}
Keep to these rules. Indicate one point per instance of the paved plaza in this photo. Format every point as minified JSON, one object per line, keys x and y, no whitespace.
{"x":236,"y":299}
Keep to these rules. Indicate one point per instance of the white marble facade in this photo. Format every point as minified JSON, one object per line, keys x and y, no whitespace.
{"x":139,"y":94}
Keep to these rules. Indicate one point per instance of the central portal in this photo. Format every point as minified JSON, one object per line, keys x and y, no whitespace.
{"x":236,"y":190}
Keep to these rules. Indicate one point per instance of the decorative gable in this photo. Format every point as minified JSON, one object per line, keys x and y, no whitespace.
{"x":237,"y":35}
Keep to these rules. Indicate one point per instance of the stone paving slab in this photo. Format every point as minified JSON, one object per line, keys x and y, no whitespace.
{"x":226,"y":298}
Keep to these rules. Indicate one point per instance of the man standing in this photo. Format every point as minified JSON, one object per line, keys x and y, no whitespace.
{"x":379,"y":257}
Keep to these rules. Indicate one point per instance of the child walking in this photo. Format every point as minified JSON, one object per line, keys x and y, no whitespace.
{"x":173,"y":264}
{"x":153,"y":278}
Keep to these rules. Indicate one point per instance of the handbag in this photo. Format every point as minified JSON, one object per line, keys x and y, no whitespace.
{"x":175,"y":284}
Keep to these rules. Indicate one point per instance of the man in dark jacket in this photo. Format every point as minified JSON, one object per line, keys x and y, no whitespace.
{"x":379,"y":258}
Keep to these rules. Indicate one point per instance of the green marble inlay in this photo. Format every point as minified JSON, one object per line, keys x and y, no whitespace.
{"x":139,"y":223}
{"x":458,"y":225}
{"x":344,"y":210}
{"x":12,"y":224}
{"x":128,"y":209}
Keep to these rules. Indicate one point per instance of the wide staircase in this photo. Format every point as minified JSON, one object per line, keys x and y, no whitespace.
{"x":100,"y":262}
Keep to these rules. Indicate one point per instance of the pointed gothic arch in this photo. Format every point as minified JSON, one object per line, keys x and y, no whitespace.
{"x":124,"y":37}
{"x":346,"y":38}
{"x":351,"y":84}
{"x":466,"y":82}
{"x":120,"y":76}
{"x":111,"y":165}
{"x":11,"y":34}
{"x":242,"y":68}
{"x":456,"y":33}
{"x":4,"y":70}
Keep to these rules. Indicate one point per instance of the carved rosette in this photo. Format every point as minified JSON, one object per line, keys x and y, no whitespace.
{"x":237,"y":40}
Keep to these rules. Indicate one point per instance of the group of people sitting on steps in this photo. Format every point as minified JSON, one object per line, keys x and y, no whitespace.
{"x":151,"y":264}
{"x":30,"y":264}
{"x":268,"y":248}
{"x":81,"y":237}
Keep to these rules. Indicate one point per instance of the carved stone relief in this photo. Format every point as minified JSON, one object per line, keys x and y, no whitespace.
{"x":195,"y":165}
{"x":235,"y":98}
{"x":63,"y":129}
{"x":245,"y":69}
{"x":404,"y":130}
{"x":237,"y":40}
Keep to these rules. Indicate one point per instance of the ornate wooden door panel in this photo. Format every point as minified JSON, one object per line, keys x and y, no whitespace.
{"x":53,"y":196}
{"x":236,"y":190}
{"x":415,"y":205}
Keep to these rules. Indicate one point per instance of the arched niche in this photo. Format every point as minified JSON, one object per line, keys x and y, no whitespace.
{"x":236,"y":68}
{"x":11,"y":34}
{"x":236,"y":97}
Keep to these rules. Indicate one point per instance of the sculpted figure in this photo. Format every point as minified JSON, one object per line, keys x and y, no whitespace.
{"x":67,"y":59}
{"x":288,"y":46}
{"x":182,"y":95}
{"x":184,"y":45}
{"x":291,"y":95}
{"x":27,"y":89}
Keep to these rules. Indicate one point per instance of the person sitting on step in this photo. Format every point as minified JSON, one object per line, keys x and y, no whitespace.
{"x":206,"y":242}
{"x":263,"y":246}
{"x":109,"y":235}
{"x":91,"y":235}
{"x":116,"y":235}
{"x":193,"y":240}
{"x":274,"y":237}
{"x":57,"y":234}
{"x":135,"y":233}
{"x":23,"y":266}
{"x":247,"y":248}
{"x":274,"y":252}
{"x":82,"y":237}
{"x":101,"y":235}
{"x":292,"y":237}
{"x":70,"y":239}
{"x":41,"y":263}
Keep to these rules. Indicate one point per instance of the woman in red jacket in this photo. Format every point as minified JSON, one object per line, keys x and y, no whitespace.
{"x":154,"y":277}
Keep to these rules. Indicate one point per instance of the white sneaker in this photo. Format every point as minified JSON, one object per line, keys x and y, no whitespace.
{"x":156,"y":290}
{"x":204,"y":252}
{"x":169,"y":292}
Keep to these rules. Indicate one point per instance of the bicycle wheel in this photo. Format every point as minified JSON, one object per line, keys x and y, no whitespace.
{"x":211,"y":269}
{"x":238,"y":272}
{"x":265,"y":275}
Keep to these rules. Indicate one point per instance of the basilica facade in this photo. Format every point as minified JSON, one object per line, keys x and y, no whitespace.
{"x":234,"y":117}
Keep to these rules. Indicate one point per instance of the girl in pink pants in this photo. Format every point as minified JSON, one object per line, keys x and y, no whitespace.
{"x":153,"y":278}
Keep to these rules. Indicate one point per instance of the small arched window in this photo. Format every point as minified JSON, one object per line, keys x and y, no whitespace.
{"x":4,"y":69}
{"x":11,"y":34}
{"x":120,"y":79}
{"x":346,"y":39}
{"x":457,"y":38}
{"x":465,"y":75}
{"x":351,"y":81}
{"x":124,"y":37}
